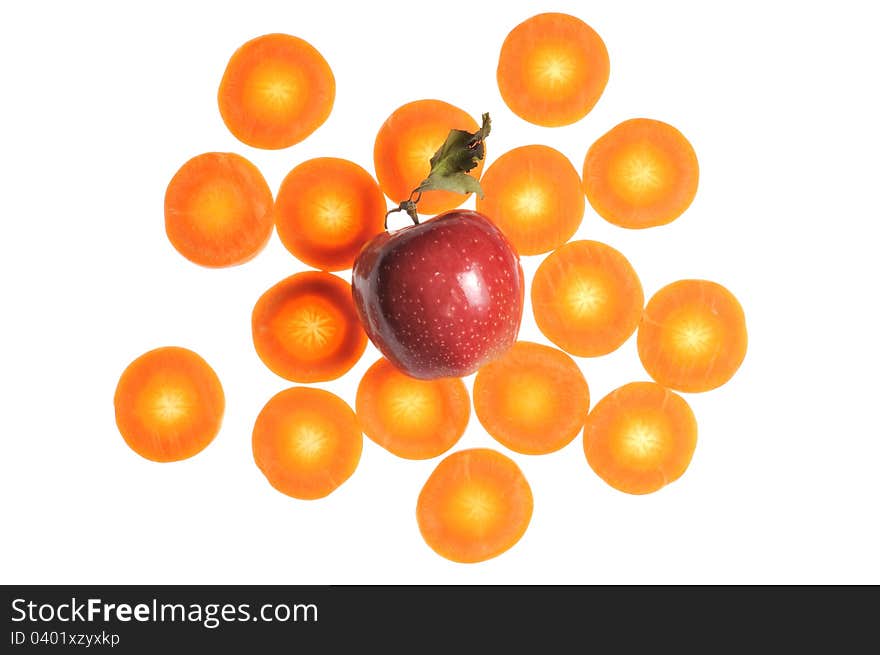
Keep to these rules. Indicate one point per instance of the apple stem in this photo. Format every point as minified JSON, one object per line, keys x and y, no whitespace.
{"x":408,"y":206}
{"x":460,"y":153}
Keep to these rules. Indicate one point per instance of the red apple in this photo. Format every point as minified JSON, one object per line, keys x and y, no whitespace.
{"x":441,"y":298}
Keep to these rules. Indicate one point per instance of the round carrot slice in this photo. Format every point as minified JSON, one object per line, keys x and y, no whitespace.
{"x":534,"y":195}
{"x":474,"y":506}
{"x":307,"y":442}
{"x":169,"y":404}
{"x":587,"y":298}
{"x":218,"y":210}
{"x":692,"y":336}
{"x":642,"y":173}
{"x":411,"y":418}
{"x":404,"y":147}
{"x":534,"y":399}
{"x":326,"y":209}
{"x":276,"y":90}
{"x":640,"y":437}
{"x":552,"y":69}
{"x":306,"y":329}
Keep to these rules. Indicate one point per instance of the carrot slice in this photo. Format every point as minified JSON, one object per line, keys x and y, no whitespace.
{"x":307,"y":442}
{"x":475,"y":505}
{"x":306,"y":329}
{"x":276,"y":90}
{"x":534,"y":194}
{"x":326,"y":209}
{"x":218,"y":210}
{"x":642,"y":173}
{"x":169,"y":404}
{"x":587,"y":298}
{"x":534,"y":399}
{"x":411,"y":418}
{"x":552,"y":69}
{"x":640,"y":437}
{"x":693,"y":336}
{"x":404,"y":147}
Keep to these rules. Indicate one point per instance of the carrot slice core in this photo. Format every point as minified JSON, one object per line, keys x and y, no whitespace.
{"x":692,"y":336}
{"x":640,"y":437}
{"x":169,"y":404}
{"x":534,"y":399}
{"x":475,"y":505}
{"x":306,"y":329}
{"x":306,"y":442}
{"x":411,"y":418}
{"x":642,"y":173}
{"x":218,"y":210}
{"x":326,"y":210}
{"x":534,"y":194}
{"x":276,"y":90}
{"x":587,"y":298}
{"x":552,"y":69}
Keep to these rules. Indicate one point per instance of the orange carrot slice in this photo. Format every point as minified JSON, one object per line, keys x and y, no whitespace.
{"x":475,"y":505}
{"x":306,"y":329}
{"x":218,"y":210}
{"x":404,"y":147}
{"x":326,"y":209}
{"x":642,"y":173}
{"x":307,"y":442}
{"x":414,"y":419}
{"x":169,"y":404}
{"x":535,"y":196}
{"x":276,"y":90}
{"x":552,"y":69}
{"x":587,"y":298}
{"x":534,"y":399}
{"x":640,"y":437}
{"x":693,"y":336}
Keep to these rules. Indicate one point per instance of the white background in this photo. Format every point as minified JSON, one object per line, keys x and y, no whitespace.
{"x":102,"y":102}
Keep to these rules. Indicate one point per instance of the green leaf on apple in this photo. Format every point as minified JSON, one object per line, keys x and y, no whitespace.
{"x":450,"y":165}
{"x":459,"y":154}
